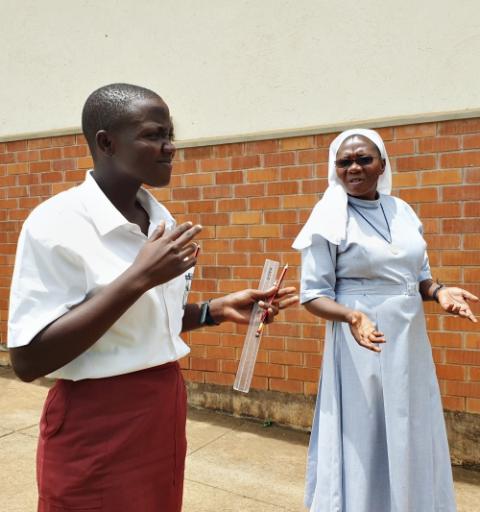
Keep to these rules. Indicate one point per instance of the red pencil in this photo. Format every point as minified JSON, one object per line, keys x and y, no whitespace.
{"x":272,"y":298}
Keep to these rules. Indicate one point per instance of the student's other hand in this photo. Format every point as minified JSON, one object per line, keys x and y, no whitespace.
{"x":364,"y":331}
{"x":237,"y":307}
{"x":166,"y":255}
{"x":455,"y":300}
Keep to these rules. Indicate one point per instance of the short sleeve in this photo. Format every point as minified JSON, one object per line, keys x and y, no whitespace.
{"x":48,"y":280}
{"x":318,"y":270}
{"x":425,"y":272}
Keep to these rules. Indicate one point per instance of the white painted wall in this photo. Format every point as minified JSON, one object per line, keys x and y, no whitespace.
{"x":233,"y":68}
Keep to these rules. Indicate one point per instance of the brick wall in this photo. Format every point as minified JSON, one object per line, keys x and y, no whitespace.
{"x":252,"y":199}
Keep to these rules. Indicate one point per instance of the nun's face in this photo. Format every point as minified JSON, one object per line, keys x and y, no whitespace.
{"x":359,"y":165}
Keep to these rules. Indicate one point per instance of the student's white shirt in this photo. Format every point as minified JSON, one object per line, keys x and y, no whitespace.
{"x":70,"y":247}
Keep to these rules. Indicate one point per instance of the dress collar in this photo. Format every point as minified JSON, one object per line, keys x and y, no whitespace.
{"x":365,"y":203}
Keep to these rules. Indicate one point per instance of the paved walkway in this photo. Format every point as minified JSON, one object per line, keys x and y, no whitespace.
{"x":233,"y":465}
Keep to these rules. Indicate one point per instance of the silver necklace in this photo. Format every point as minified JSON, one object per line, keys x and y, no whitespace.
{"x":393,"y":249}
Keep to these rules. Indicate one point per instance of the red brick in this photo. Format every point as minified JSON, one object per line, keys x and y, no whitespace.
{"x":249,"y":190}
{"x":471,"y":241}
{"x":415,"y":163}
{"x":245,"y":162}
{"x":282,"y":188}
{"x":296,"y":172}
{"x":264,"y":203}
{"x":461,"y":193}
{"x":198,"y":152}
{"x":311,"y":156}
{"x":419,"y":195}
{"x":441,"y":177}
{"x":439,"y":210}
{"x":286,"y":386}
{"x":303,"y":374}
{"x":200,"y":206}
{"x":453,"y":403}
{"x":215,"y":164}
{"x":262,"y":146}
{"x":459,"y":127}
{"x":400,"y":147}
{"x":461,"y":225}
{"x":405,"y":179}
{"x":439,"y":144}
{"x":258,"y":175}
{"x":473,"y":405}
{"x":226,"y":150}
{"x":218,"y":191}
{"x":277,"y":159}
{"x":222,"y":178}
{"x":450,"y":372}
{"x":463,"y":159}
{"x":228,"y":205}
{"x":463,"y":389}
{"x":465,"y":357}
{"x":18,"y":145}
{"x":443,"y":241}
{"x":415,"y":130}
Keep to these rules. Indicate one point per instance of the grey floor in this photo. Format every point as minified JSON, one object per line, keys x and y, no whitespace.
{"x":233,"y":465}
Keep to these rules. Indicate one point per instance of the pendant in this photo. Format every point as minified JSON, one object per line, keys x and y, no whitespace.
{"x":394,"y":249}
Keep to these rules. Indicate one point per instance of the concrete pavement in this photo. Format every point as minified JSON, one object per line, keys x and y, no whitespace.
{"x":233,"y":465}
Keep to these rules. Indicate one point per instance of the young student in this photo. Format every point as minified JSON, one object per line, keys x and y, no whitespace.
{"x":96,"y":303}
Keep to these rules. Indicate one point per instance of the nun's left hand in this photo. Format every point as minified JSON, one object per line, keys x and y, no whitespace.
{"x":455,"y":300}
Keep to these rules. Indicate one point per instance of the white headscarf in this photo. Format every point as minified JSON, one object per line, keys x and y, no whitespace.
{"x":329,"y":216}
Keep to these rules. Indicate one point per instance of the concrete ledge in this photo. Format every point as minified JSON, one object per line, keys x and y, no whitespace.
{"x":463,"y":431}
{"x":291,"y":410}
{"x":296,"y":411}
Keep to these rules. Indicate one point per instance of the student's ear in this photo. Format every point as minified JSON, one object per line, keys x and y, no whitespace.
{"x":105,"y":142}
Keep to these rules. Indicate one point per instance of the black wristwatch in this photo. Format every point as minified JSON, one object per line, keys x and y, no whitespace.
{"x":435,"y":292}
{"x":205,"y":316}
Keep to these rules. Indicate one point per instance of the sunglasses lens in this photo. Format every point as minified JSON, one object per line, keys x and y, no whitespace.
{"x":365,"y":160}
{"x":344,"y":163}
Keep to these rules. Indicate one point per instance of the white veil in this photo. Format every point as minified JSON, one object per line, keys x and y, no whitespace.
{"x":329,"y":216}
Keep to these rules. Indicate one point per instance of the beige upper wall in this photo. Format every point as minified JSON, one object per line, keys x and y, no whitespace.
{"x":228,"y":68}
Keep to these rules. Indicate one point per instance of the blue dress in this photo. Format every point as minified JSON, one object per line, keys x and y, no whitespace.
{"x":378,"y":441}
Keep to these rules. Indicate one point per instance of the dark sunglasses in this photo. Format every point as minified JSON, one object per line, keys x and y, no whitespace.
{"x":345,"y":163}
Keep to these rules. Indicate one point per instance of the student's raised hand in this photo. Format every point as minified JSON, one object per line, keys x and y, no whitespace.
{"x":455,"y":300}
{"x":364,"y":331}
{"x":237,"y":307}
{"x":166,"y":255}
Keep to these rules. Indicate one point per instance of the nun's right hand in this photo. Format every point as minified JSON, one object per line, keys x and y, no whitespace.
{"x":364,"y":331}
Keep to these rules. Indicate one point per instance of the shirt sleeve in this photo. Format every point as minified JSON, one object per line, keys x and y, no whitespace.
{"x":48,"y":280}
{"x":318,"y":270}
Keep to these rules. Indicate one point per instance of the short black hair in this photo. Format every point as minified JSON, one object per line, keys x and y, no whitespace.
{"x":108,"y":106}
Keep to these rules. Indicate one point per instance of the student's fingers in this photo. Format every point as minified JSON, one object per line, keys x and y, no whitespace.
{"x":187,"y":251}
{"x":282,"y":292}
{"x":159,"y":231}
{"x":179,"y":230}
{"x":187,"y":236}
{"x":286,"y":303}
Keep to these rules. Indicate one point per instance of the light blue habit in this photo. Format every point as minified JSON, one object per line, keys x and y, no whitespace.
{"x":378,"y":441}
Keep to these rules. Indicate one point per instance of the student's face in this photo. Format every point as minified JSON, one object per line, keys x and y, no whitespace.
{"x":143,"y":146}
{"x":359,"y":165}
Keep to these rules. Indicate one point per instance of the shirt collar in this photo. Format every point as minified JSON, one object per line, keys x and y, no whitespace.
{"x":107,"y":218}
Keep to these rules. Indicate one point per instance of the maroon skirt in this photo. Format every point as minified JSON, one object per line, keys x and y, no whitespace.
{"x":115,"y":444}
